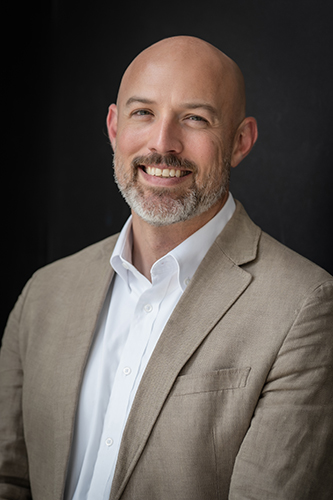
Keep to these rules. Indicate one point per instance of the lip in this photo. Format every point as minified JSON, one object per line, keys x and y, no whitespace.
{"x":164,"y":181}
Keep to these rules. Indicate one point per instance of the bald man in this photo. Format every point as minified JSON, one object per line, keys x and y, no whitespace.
{"x":190,"y":356}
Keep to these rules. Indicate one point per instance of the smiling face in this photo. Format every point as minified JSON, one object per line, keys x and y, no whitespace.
{"x":173,"y":130}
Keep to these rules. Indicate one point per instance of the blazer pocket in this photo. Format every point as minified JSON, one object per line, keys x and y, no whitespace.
{"x":219,"y":380}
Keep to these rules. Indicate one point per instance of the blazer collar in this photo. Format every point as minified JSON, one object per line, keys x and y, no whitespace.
{"x":240,"y":238}
{"x":216,"y":285}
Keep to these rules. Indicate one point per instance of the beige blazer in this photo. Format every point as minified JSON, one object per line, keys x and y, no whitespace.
{"x":236,"y":401}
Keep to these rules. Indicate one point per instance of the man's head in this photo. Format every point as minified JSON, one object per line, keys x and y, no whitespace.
{"x":178,"y":127}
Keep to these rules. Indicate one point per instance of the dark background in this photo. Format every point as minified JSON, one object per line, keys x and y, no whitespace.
{"x":62,"y":65}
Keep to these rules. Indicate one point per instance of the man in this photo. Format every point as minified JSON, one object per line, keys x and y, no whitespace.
{"x":199,"y":364}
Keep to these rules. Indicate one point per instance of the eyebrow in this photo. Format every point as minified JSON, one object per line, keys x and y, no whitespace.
{"x":202,"y":105}
{"x":186,"y":105}
{"x":139,"y":99}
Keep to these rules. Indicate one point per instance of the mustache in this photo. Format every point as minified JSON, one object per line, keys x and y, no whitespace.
{"x":169,"y":160}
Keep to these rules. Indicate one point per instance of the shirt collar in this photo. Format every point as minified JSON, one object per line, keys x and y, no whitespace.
{"x":188,"y":255}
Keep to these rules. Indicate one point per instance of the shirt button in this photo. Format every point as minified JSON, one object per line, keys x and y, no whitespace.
{"x":109,"y":442}
{"x":127,"y":370}
{"x":187,"y":281}
{"x":148,"y":308}
{"x":125,"y":265}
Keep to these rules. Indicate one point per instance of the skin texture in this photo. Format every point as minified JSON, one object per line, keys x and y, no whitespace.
{"x":181,"y":100}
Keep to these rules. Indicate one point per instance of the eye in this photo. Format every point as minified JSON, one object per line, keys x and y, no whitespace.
{"x":141,"y":112}
{"x":197,"y":120}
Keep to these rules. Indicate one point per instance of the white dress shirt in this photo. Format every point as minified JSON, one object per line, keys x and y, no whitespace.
{"x":133,"y":318}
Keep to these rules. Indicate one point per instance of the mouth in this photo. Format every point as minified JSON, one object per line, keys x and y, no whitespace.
{"x":165,"y":172}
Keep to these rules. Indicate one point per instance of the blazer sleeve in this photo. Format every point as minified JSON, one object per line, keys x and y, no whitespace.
{"x":287,"y":452}
{"x":14,"y":470}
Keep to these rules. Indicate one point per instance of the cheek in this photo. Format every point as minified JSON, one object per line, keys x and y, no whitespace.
{"x":208,"y":155}
{"x":129,"y":142}
{"x":122,"y":169}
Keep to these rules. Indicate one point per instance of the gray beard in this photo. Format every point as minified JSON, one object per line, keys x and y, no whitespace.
{"x":160,"y":206}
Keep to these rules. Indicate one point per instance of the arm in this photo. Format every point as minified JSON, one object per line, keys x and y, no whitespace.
{"x":14,"y":470}
{"x":287,"y":453}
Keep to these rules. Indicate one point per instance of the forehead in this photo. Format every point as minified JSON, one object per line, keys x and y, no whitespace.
{"x":174,"y":80}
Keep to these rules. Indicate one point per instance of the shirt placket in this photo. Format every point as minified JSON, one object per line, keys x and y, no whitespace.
{"x":126,"y":381}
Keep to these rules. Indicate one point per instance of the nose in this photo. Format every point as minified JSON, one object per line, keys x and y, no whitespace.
{"x":164,"y":137}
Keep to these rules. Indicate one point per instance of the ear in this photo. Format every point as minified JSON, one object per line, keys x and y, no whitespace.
{"x":245,"y":138}
{"x":112,"y":124}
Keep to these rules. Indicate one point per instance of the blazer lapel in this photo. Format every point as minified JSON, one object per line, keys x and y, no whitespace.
{"x":217,"y":284}
{"x":83,"y":310}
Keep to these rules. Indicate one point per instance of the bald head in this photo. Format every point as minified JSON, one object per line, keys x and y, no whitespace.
{"x":198,"y":62}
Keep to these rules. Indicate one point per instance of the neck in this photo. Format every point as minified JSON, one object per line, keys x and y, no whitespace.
{"x":150,"y":243}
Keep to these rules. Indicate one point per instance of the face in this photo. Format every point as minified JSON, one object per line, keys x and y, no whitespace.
{"x":171,"y":134}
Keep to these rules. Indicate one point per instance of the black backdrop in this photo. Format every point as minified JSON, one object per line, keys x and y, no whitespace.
{"x":63,"y":62}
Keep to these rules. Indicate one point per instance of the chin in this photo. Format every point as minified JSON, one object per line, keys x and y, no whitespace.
{"x":163,"y":210}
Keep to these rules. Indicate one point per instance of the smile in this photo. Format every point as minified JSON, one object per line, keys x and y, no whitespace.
{"x":165,"y":172}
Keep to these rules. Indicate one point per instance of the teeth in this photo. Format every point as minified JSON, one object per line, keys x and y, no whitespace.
{"x":165,"y":172}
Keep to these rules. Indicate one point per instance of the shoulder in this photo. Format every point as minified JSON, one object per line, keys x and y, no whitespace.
{"x":272,"y":264}
{"x":286,"y":265}
{"x":96,"y":254}
{"x":72,"y":274}
{"x":290,"y":281}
